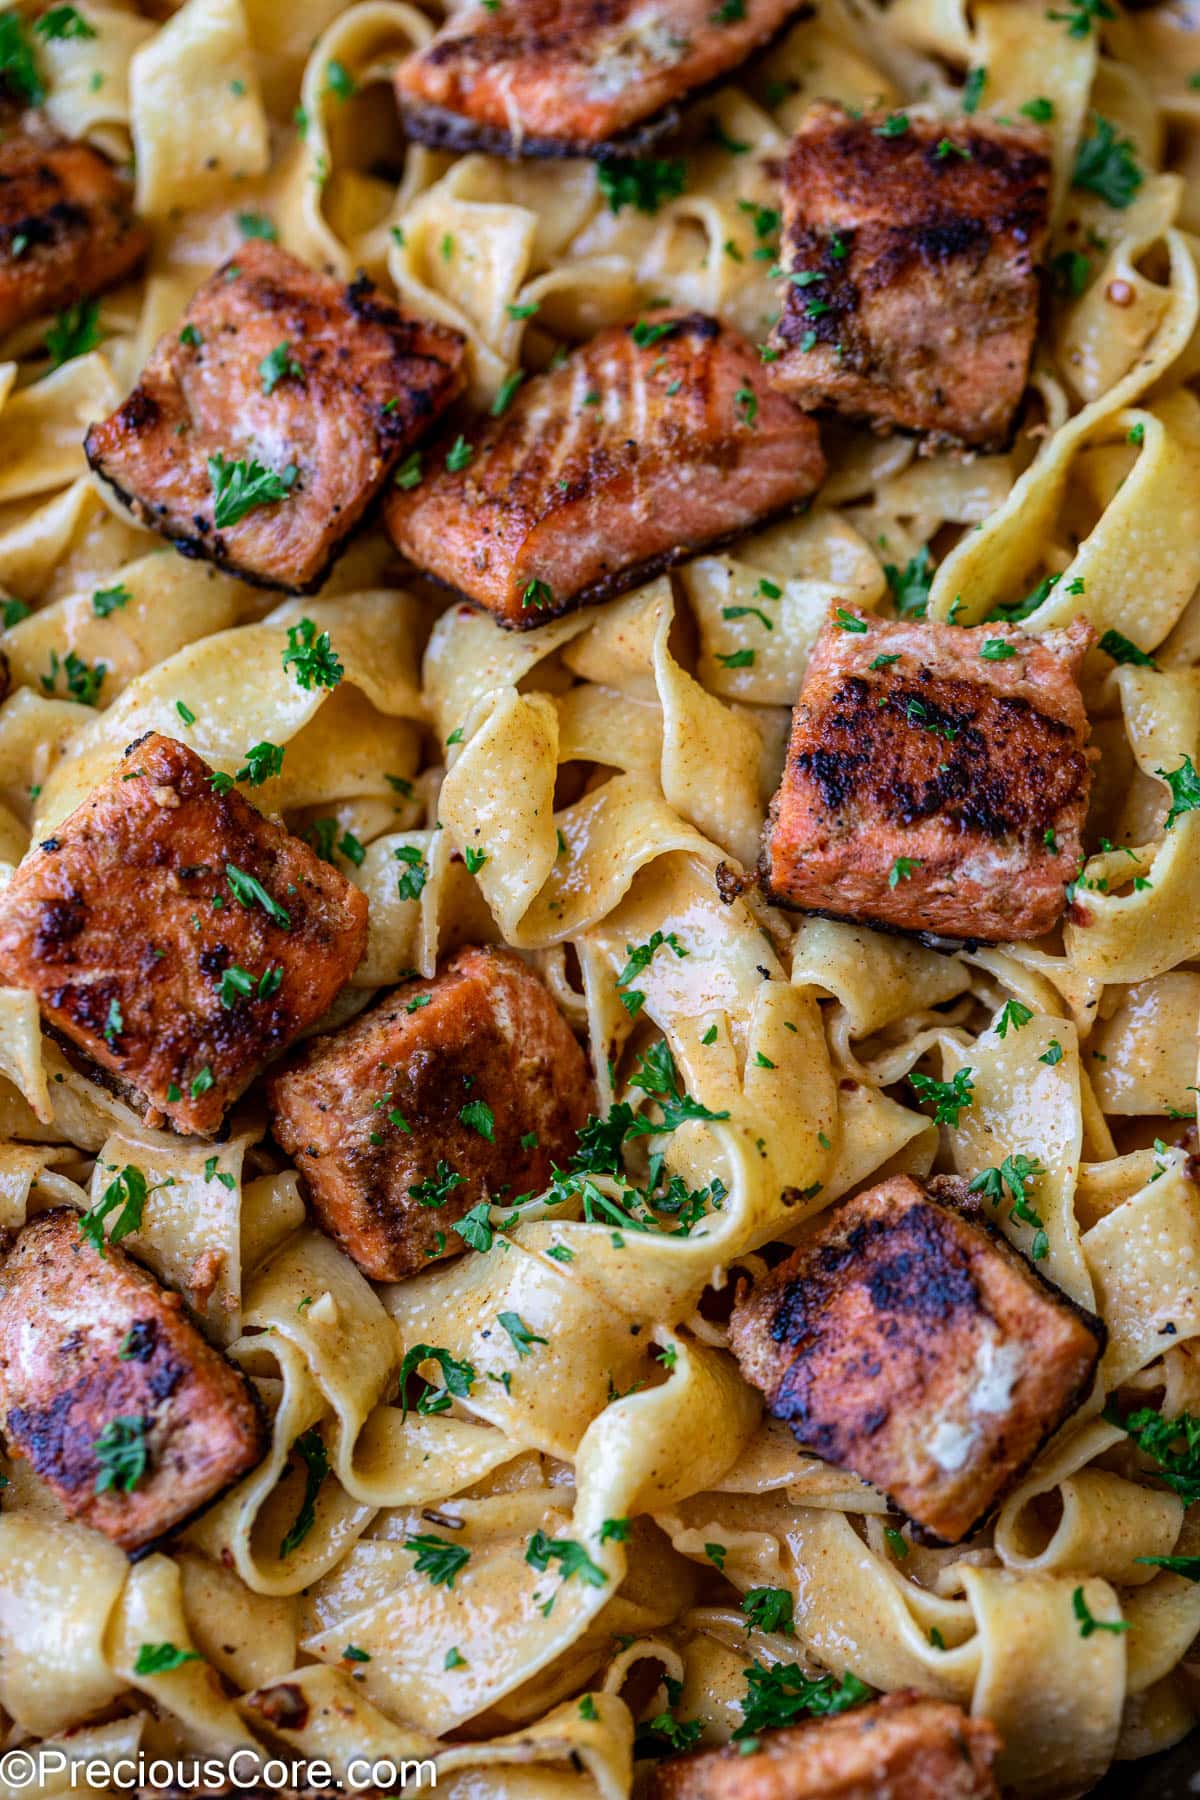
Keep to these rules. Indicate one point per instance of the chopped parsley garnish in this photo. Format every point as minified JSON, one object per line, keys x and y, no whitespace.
{"x":1039,"y":109}
{"x":236,"y":984}
{"x":408,"y":475}
{"x":114,"y":1024}
{"x":769,"y":1609}
{"x":239,"y":487}
{"x":657,"y":1076}
{"x":1071,"y":271}
{"x":523,"y":1339}
{"x":310,"y":1448}
{"x":126,"y":1190}
{"x":442,"y":1561}
{"x":645,"y":334}
{"x":278,"y":365}
{"x":84,"y":680}
{"x":478,"y":1115}
{"x":258,"y":225}
{"x":122,"y":1455}
{"x":973,"y":89}
{"x":74,"y":332}
{"x":736,"y":659}
{"x":474,"y":859}
{"x":1174,"y":1444}
{"x":901,"y":869}
{"x":847,"y":621}
{"x":1184,"y":784}
{"x":249,"y":891}
{"x":1014,"y":1015}
{"x":474,"y":1228}
{"x":1106,"y":165}
{"x":160,"y":1659}
{"x":106,"y":601}
{"x":1088,"y":1624}
{"x":665,"y":1735}
{"x":436,"y":1189}
{"x":1122,"y":650}
{"x":1079,"y":18}
{"x":412,"y":881}
{"x":338,"y":80}
{"x":459,"y":1378}
{"x":459,"y":454}
{"x":506,"y":392}
{"x":1187,"y":1566}
{"x":201,"y":1083}
{"x":642,"y":182}
{"x":997,"y":650}
{"x":571,"y":1557}
{"x":18,"y":65}
{"x":11,"y":613}
{"x":537,"y":594}
{"x":949,"y":1098}
{"x":263,"y":761}
{"x":1053,"y":1055}
{"x":895,"y":125}
{"x":63,"y":22}
{"x":910,"y":586}
{"x":746,"y":401}
{"x":783,"y":1694}
{"x":185,"y":712}
{"x":640,"y":957}
{"x":311,"y":657}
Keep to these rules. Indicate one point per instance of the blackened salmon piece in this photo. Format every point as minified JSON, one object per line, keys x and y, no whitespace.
{"x":904,"y":1747}
{"x":568,"y":77}
{"x":110,"y":1392}
{"x":467,"y":1088}
{"x":918,"y":1349}
{"x":176,"y":936}
{"x":259,"y":433}
{"x":912,"y":251}
{"x":650,"y":443}
{"x":936,"y":779}
{"x":67,"y":228}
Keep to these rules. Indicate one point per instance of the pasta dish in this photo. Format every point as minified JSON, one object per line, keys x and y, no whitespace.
{"x":599,"y":948}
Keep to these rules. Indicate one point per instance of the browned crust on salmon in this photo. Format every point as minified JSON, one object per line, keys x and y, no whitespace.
{"x":943,"y":792}
{"x":362,"y":384}
{"x":554,"y":78}
{"x":913,"y":271}
{"x":912,"y":1346}
{"x":88,"y":1339}
{"x":903,"y":1747}
{"x":124,"y":922}
{"x":67,"y":227}
{"x":486,"y":1028}
{"x":630,"y":457}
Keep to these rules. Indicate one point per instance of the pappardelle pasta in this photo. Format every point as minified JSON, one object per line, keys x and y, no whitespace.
{"x":506,"y":1495}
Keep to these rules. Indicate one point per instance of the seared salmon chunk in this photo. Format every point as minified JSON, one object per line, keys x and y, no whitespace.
{"x":912,"y":250}
{"x":177,"y":936}
{"x":904,"y":1747}
{"x":569,"y":78}
{"x":918,"y":1349}
{"x":67,"y":228}
{"x":936,"y":779}
{"x":259,"y":433}
{"x":652,"y":442}
{"x":108,"y":1389}
{"x":449,"y":1092}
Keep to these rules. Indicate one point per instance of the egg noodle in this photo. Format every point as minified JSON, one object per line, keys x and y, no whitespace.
{"x":605,"y":765}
